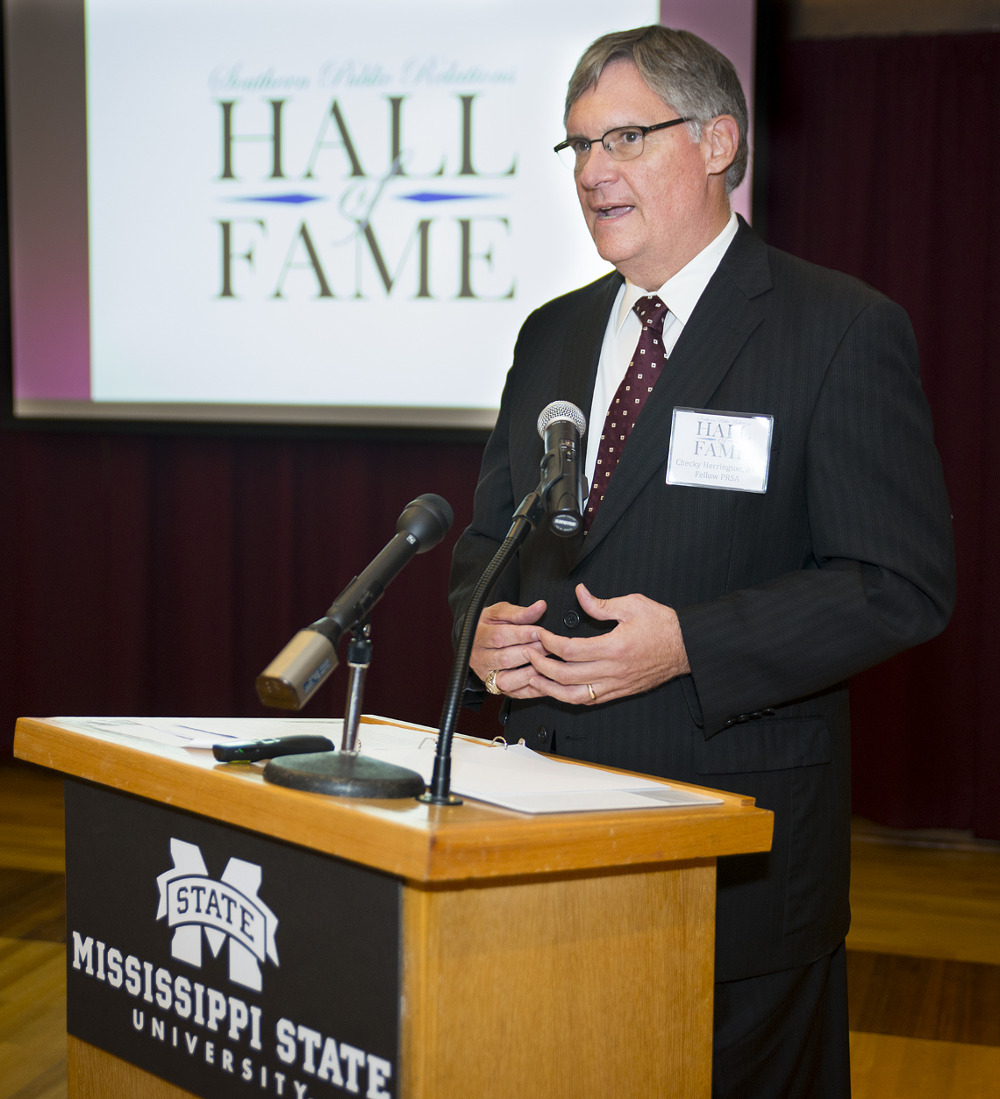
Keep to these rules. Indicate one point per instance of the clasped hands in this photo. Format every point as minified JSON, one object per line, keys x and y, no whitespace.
{"x":643,"y":650}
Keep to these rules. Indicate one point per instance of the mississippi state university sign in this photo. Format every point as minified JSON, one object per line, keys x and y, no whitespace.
{"x":225,"y":962}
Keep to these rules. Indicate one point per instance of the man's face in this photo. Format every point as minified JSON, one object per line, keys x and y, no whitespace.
{"x":651,"y":215}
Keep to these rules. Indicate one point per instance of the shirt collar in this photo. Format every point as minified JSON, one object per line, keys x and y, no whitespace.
{"x":682,"y":291}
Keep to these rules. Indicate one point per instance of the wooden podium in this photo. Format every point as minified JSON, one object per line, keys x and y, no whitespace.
{"x":566,"y":954}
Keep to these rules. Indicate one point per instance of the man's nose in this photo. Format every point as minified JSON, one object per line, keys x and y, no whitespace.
{"x":599,"y":167}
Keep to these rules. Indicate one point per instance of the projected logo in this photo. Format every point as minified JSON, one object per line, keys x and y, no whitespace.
{"x":224,"y":913}
{"x":363,"y":193}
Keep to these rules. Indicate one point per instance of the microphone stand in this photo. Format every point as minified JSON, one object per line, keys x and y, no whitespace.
{"x":359,"y":657}
{"x":347,"y":773}
{"x":525,"y":520}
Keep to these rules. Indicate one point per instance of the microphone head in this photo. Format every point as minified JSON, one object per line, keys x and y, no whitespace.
{"x":426,"y":519}
{"x":292,"y":677}
{"x":561,"y":410}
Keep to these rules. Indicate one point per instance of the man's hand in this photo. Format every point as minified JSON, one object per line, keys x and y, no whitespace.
{"x":504,"y":634}
{"x":644,"y":650}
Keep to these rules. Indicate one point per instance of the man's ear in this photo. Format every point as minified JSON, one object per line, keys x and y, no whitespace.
{"x":720,"y":140}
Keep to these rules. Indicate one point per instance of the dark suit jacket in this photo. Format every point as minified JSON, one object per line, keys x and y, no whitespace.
{"x":846,"y":559}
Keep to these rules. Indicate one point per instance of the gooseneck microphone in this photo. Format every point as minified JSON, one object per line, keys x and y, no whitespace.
{"x":563,"y":486}
{"x":560,"y":495}
{"x":304,"y":663}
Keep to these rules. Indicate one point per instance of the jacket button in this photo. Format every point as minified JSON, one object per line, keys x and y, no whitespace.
{"x":571,"y":620}
{"x":541,"y":734}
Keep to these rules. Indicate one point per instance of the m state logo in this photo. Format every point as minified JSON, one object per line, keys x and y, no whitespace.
{"x":228,"y":909}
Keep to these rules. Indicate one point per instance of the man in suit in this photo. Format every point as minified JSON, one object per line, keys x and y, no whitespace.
{"x":704,"y":630}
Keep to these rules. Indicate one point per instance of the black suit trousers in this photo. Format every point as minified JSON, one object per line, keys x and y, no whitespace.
{"x":784,"y":1035}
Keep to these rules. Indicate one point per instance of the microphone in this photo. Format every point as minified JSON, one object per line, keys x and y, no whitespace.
{"x":290,"y":680}
{"x":562,"y":426}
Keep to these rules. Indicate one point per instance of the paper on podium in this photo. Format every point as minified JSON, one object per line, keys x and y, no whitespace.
{"x":509,"y":775}
{"x":515,"y":777}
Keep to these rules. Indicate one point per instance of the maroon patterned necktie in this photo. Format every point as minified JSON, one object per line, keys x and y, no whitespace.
{"x":631,"y":395}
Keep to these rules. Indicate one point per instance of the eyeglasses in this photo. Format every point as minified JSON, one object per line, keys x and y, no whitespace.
{"x":623,"y":143}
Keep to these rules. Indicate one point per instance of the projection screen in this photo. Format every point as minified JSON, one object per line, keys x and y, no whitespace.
{"x":295,"y":210}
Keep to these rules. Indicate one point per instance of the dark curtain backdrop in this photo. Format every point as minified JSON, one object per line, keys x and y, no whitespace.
{"x":885,"y":162}
{"x":149,"y":574}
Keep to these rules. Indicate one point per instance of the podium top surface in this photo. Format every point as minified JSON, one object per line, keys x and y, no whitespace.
{"x":412,"y":840}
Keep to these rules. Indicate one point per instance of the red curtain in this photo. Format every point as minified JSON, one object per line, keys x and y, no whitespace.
{"x":885,"y":162}
{"x":158,"y":574}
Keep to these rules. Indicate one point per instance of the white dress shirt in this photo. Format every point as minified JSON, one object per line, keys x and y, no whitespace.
{"x":680,"y":294}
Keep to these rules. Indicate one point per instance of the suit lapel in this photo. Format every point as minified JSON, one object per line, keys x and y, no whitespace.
{"x":727,"y":313}
{"x":582,"y":351}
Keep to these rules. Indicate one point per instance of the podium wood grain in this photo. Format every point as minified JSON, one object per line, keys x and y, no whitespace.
{"x":558,"y":955}
{"x":587,"y":985}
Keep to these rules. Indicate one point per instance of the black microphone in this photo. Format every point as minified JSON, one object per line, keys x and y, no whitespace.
{"x":305,"y":662}
{"x":563,"y":485}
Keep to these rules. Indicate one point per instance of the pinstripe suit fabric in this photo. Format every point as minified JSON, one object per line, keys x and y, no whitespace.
{"x":782,"y":596}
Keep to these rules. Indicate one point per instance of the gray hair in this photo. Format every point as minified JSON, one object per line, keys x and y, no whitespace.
{"x":686,"y":72}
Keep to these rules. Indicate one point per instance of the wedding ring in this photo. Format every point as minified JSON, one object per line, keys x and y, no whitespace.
{"x":491,"y":682}
{"x":593,"y":693}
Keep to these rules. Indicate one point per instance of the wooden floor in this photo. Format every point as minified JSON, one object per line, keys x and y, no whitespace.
{"x":924,"y":955}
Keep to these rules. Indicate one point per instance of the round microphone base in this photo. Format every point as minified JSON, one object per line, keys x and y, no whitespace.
{"x":433,"y":799}
{"x":343,"y":774}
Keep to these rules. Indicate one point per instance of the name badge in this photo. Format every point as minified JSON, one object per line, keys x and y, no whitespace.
{"x":729,"y":450}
